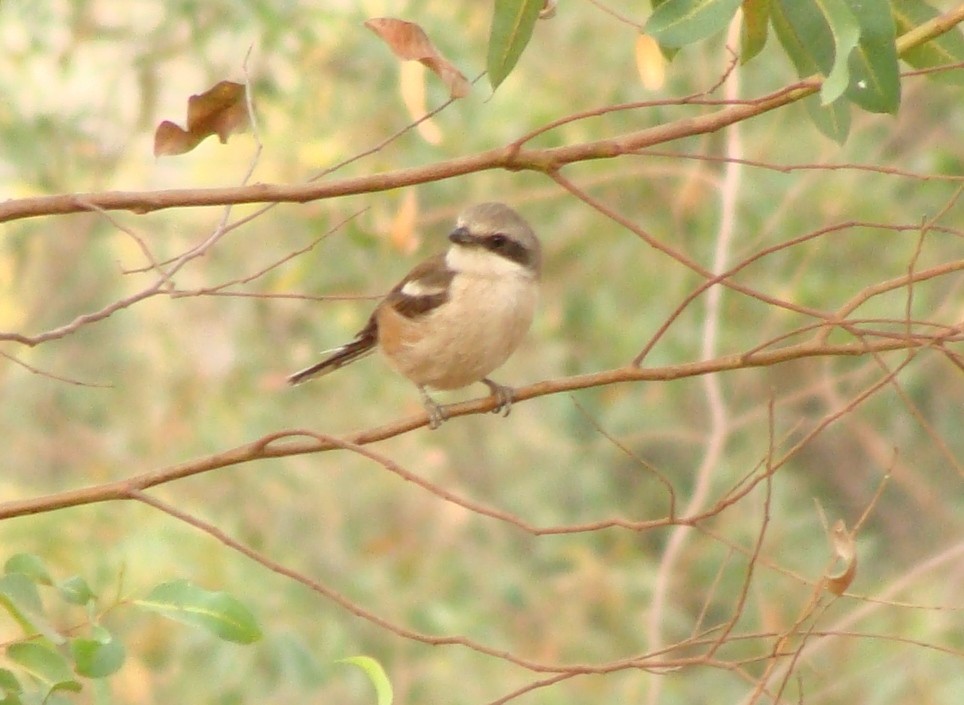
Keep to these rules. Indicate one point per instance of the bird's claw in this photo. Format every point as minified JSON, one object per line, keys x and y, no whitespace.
{"x":503,"y":395}
{"x":436,"y":412}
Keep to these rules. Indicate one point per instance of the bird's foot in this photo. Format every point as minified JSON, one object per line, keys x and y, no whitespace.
{"x":503,"y":395}
{"x":436,"y":412}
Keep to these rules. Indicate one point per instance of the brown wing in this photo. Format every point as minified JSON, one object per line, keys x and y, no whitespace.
{"x":424,"y":288}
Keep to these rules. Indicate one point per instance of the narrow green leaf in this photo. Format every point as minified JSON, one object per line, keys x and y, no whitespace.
{"x":804,"y":36}
{"x":874,"y":72}
{"x":47,"y":666}
{"x":753,"y":34}
{"x":667,"y":52}
{"x":832,"y":120}
{"x":810,"y":50}
{"x":31,"y":565}
{"x":675,"y":23}
{"x":98,"y":657}
{"x":76,"y":591}
{"x":940,"y":51}
{"x":218,"y":612}
{"x":845,"y":31}
{"x":376,"y":674}
{"x":512,"y":25}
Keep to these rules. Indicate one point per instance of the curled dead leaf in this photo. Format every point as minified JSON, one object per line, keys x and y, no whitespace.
{"x":409,"y":42}
{"x":222,"y":110}
{"x":844,"y":569}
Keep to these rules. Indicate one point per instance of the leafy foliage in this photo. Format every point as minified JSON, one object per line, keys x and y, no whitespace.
{"x":852,"y":43}
{"x":946,"y":49}
{"x":218,"y":612}
{"x":48,"y":658}
{"x":512,"y":24}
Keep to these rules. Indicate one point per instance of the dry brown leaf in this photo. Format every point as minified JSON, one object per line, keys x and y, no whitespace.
{"x":222,"y":110}
{"x":170,"y":139}
{"x":409,"y":42}
{"x":650,"y":63}
{"x":845,"y":556}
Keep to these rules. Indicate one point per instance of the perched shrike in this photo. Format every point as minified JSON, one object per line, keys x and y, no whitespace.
{"x":457,"y":316}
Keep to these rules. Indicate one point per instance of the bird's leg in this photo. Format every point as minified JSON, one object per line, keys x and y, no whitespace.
{"x":436,"y":414}
{"x":502,"y":394}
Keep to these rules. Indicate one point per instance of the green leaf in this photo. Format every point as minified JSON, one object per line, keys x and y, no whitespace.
{"x":675,"y":23}
{"x":808,"y":41}
{"x":218,"y":612}
{"x":19,"y":596}
{"x":874,"y":72}
{"x":940,"y":51}
{"x":30,"y":565}
{"x":851,"y":42}
{"x":819,"y":36}
{"x":804,"y":37}
{"x":376,"y":674}
{"x":98,"y":657}
{"x":75,"y":590}
{"x":667,"y":52}
{"x":832,"y":120}
{"x":808,"y":52}
{"x":47,"y":666}
{"x":753,"y":34}
{"x":512,"y":25}
{"x":846,"y":34}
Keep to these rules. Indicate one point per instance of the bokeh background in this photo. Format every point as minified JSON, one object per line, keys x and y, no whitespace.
{"x":174,"y":378}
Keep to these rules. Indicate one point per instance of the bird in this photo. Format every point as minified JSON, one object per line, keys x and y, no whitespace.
{"x":457,"y":316}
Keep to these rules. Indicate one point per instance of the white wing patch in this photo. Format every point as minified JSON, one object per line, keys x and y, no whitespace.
{"x":419,"y":287}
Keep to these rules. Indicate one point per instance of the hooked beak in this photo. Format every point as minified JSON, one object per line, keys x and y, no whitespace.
{"x":462,"y":236}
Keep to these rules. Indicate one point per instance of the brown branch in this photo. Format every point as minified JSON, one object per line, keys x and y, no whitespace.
{"x":635,"y":662}
{"x":678,"y":256}
{"x":790,"y":168}
{"x":247,"y":279}
{"x":510,"y":157}
{"x":51,"y":375}
{"x":270,"y":447}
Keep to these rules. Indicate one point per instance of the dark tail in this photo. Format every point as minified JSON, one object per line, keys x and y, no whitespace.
{"x":361,"y":346}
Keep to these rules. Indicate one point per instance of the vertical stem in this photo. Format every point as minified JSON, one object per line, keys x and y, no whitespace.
{"x":718,"y":427}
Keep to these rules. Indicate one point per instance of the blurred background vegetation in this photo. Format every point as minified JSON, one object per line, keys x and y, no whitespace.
{"x":85,"y":83}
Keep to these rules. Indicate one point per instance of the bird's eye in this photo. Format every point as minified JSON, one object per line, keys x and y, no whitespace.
{"x":498,"y":241}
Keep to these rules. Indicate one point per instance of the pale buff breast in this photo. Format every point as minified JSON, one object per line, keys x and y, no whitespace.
{"x":466,"y":338}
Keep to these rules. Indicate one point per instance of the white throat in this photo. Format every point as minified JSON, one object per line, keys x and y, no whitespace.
{"x":480,"y":262}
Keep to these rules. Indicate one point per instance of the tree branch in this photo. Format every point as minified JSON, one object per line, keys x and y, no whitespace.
{"x":511,"y":157}
{"x":271,"y":446}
